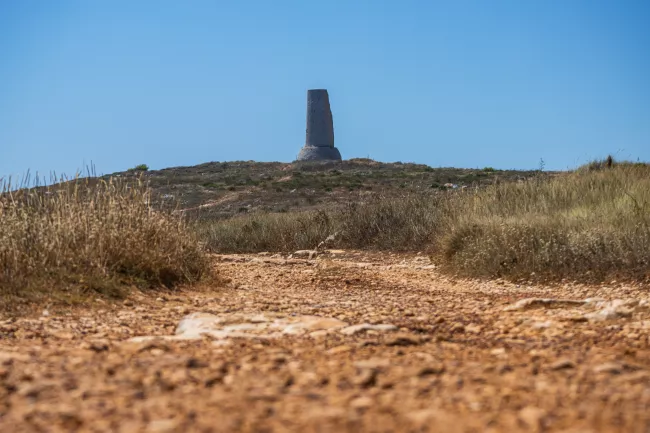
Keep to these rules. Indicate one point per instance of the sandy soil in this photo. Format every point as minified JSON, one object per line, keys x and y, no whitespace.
{"x":466,"y":357}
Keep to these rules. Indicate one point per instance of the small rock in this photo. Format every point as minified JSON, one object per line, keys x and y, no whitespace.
{"x":31,"y":390}
{"x":127,"y":303}
{"x":367,"y":343}
{"x":361,"y":403}
{"x":7,"y":358}
{"x":162,"y":426}
{"x":366,"y":378}
{"x":403,"y":340}
{"x":429,"y":370}
{"x":62,"y":335}
{"x":504,"y":368}
{"x":311,"y":254}
{"x":354,"y":329}
{"x":609,"y":367}
{"x":615,"y":309}
{"x":195,"y":363}
{"x":532,"y":417}
{"x":562,"y":364}
{"x":319,"y":334}
{"x":541,"y":325}
{"x":339,"y":349}
{"x":457,"y":327}
{"x":525,"y":304}
{"x":97,"y":346}
{"x":373,"y":363}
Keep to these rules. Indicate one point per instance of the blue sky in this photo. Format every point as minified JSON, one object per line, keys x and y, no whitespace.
{"x":446,"y":83}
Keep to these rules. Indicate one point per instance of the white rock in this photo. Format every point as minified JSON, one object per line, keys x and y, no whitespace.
{"x":301,"y":253}
{"x":615,"y":309}
{"x":354,"y":329}
{"x":262,"y":326}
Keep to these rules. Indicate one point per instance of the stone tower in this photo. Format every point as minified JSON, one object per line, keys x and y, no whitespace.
{"x":319,"y":144}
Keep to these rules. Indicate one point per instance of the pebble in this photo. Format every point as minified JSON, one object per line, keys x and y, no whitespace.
{"x":532,"y":417}
{"x":361,"y":403}
{"x":354,"y":329}
{"x":609,"y":367}
{"x":562,"y":364}
{"x":403,"y":340}
{"x":428,"y":370}
{"x":339,"y":349}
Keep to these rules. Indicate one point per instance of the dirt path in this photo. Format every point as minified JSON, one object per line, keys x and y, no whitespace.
{"x":457,"y":362}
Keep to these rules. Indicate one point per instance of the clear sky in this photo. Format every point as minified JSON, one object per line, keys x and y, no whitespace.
{"x":446,"y":83}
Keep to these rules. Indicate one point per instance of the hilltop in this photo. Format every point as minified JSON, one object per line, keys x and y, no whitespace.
{"x":217,"y":190}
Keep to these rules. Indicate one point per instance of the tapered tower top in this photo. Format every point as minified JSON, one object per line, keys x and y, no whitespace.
{"x":319,"y":142}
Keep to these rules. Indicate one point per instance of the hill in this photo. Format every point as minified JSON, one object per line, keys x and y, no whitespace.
{"x":218,"y":190}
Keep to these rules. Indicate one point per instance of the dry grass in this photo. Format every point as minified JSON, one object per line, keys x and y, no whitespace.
{"x":593,"y":223}
{"x":258,"y":232}
{"x":406,"y":223}
{"x":400,"y":224}
{"x":88,"y":236}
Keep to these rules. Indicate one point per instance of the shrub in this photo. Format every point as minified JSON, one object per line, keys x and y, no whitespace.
{"x":140,"y":167}
{"x":90,"y":235}
{"x":599,"y":164}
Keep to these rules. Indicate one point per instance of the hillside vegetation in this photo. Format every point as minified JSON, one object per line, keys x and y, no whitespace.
{"x":104,"y":235}
{"x":589,"y":224}
{"x":220,"y":190}
{"x":86,"y":237}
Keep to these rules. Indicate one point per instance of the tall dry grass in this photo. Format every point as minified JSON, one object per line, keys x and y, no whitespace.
{"x":405,"y":223}
{"x":91,"y":235}
{"x":399,"y":224}
{"x":589,"y":224}
{"x":283,"y":232}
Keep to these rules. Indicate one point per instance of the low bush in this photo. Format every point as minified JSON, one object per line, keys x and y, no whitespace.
{"x":140,"y":167}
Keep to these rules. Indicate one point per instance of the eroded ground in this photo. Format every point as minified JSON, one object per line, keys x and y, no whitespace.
{"x":456,"y":362}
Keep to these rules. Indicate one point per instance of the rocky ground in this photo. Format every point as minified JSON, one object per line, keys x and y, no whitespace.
{"x":449,"y":355}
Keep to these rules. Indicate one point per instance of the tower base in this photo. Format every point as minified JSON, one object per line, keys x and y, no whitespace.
{"x":314,"y":153}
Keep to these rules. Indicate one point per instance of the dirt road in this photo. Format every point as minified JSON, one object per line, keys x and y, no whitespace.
{"x":460,"y":356}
